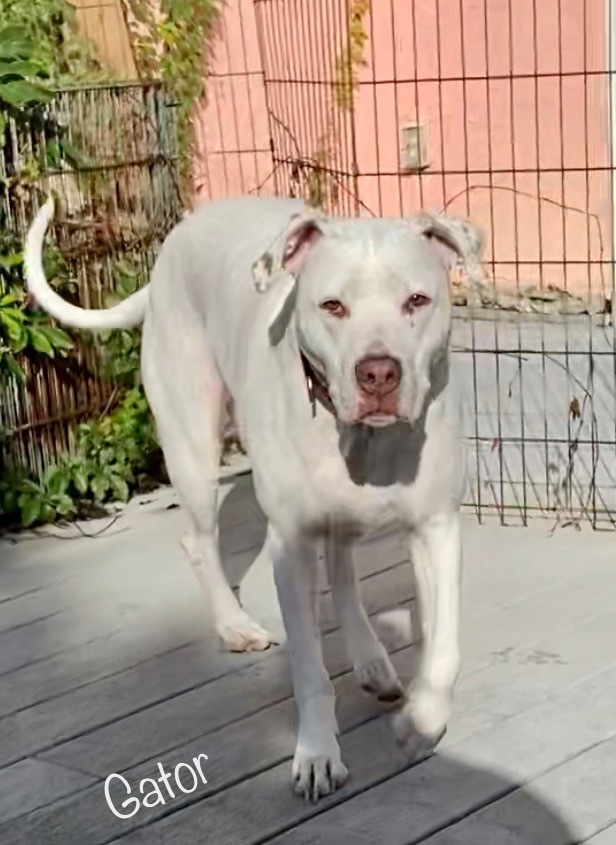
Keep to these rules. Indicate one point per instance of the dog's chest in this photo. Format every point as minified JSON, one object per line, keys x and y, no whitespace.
{"x":374,"y":479}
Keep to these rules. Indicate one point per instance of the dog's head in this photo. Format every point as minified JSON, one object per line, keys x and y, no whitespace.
{"x":372,"y":306}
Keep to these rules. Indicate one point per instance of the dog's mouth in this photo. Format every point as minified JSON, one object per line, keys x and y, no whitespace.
{"x":379,"y":420}
{"x":377,"y":411}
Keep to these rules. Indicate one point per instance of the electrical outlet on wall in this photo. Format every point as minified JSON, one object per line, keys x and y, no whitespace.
{"x":413,"y":147}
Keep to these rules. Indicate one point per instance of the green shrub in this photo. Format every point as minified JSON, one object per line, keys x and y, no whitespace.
{"x":114,"y":455}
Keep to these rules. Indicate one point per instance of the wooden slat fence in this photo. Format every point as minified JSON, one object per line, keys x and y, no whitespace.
{"x":119,"y":201}
{"x":103,"y":23}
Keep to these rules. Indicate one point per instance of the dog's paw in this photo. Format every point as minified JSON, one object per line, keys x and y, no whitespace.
{"x":421,"y":723}
{"x":315,"y":777}
{"x":241,"y":633}
{"x":378,"y":677}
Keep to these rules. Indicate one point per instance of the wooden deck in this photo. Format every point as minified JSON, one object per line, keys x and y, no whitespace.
{"x":107,"y":665}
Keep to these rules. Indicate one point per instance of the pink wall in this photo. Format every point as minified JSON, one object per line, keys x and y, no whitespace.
{"x":232,"y":130}
{"x":537,"y":125}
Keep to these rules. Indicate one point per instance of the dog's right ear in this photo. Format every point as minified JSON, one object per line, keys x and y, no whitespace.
{"x":287,"y":254}
{"x":280,"y":267}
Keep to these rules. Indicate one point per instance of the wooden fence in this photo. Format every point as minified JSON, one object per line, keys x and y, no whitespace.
{"x":103,"y":23}
{"x":119,"y":200}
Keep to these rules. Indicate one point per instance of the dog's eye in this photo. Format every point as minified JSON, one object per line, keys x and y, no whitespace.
{"x":415,"y":301}
{"x":335,"y":308}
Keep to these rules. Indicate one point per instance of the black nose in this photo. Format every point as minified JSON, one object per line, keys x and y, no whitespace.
{"x":378,"y":375}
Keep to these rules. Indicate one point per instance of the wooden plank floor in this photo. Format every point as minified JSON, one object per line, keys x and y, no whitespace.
{"x":107,"y":664}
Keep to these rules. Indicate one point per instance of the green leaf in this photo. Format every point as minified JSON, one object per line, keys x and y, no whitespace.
{"x":19,"y":68}
{"x":64,"y":505}
{"x":15,"y":44}
{"x":109,"y":300}
{"x":12,"y":320}
{"x":29,"y":486}
{"x":30,"y":507}
{"x":20,"y":343}
{"x":107,"y":454}
{"x":14,"y":370}
{"x":48,"y":513}
{"x":73,"y":157}
{"x":120,"y":488}
{"x":54,"y":157}
{"x":80,"y":480}
{"x":20,"y":92}
{"x":11,"y":259}
{"x":9,"y":501}
{"x":56,"y":480}
{"x":58,"y":338}
{"x":100,"y":486}
{"x":40,"y":342}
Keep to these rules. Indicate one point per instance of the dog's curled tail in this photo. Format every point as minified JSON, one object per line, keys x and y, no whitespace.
{"x":127,"y":314}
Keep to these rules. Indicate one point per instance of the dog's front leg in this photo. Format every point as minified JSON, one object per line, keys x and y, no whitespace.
{"x":317,"y":767}
{"x":436,"y":555}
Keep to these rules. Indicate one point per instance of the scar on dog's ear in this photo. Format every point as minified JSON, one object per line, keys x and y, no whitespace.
{"x":279,"y":268}
{"x":456,"y":240}
{"x":289,"y":251}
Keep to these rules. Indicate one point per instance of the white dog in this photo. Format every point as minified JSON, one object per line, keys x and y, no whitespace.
{"x":332,"y":338}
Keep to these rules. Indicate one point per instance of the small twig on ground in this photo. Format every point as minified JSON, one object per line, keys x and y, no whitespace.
{"x":80,"y":531}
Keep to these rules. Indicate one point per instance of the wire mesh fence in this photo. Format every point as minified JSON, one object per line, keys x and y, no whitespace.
{"x":496,"y":110}
{"x":108,"y":155}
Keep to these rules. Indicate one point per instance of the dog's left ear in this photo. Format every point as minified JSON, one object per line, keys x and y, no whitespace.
{"x":280,"y":267}
{"x":456,"y":240}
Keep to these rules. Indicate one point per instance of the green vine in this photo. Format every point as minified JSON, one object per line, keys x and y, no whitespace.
{"x":24,"y":333}
{"x":50,"y":25}
{"x":351,"y":56}
{"x":320,"y":187}
{"x":170,"y":39}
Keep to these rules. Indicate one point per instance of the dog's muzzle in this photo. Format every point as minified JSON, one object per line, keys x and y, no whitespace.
{"x":378,"y":380}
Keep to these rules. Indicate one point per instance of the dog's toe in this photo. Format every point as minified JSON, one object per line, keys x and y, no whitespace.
{"x":421,"y":723}
{"x":242,"y":634}
{"x":416,"y":746}
{"x":379,"y":678}
{"x":316,"y":777}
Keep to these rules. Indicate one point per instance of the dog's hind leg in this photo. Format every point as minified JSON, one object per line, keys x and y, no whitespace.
{"x":371,"y":662}
{"x":186,"y":396}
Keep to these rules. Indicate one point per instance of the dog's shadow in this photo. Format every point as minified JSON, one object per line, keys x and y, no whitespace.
{"x":242,"y":526}
{"x":443,"y":800}
{"x":242,"y":533}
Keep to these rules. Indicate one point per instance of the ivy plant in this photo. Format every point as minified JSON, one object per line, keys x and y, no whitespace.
{"x":171,"y":38}
{"x":121,"y":348}
{"x":20,"y":75}
{"x":24,"y":333}
{"x":113,"y":457}
{"x":51,"y":26}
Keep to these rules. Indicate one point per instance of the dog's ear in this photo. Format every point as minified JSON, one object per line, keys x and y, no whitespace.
{"x":456,"y":240}
{"x":288,"y":252}
{"x":280,"y":267}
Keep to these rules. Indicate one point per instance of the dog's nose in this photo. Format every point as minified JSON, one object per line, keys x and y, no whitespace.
{"x":378,"y":375}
